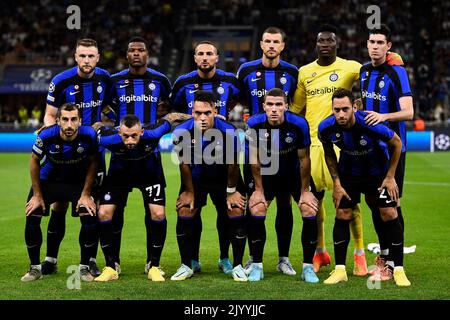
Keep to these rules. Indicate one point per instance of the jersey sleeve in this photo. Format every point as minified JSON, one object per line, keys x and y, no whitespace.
{"x":157,"y":131}
{"x":401,"y":83}
{"x":354,"y":68}
{"x":177,"y":97}
{"x":381,"y":132}
{"x":166,"y":87}
{"x":54,"y":93}
{"x":299,"y":101}
{"x":306,"y":138}
{"x":39,"y":147}
{"x":322,"y":134}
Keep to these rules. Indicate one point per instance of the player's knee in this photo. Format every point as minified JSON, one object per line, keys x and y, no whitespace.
{"x":259,"y":210}
{"x":60,"y":206}
{"x":158,"y":215}
{"x":307,"y":211}
{"x":105,"y":213}
{"x":235,"y":212}
{"x":389,"y":213}
{"x":185,"y":213}
{"x":344,"y":214}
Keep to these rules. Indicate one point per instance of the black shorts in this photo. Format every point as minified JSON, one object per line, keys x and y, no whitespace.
{"x":367,"y":186}
{"x":217,"y":192}
{"x":400,"y":173}
{"x":152,"y":193}
{"x":57,"y":192}
{"x":275,"y":186}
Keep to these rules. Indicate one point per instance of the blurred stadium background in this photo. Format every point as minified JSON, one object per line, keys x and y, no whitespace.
{"x":36,"y":45}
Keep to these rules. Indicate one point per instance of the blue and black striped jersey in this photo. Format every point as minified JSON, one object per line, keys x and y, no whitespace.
{"x":381,"y":88}
{"x":134,"y":166}
{"x":223,"y":84}
{"x":281,"y":141}
{"x":255,"y":80}
{"x":207,"y":154}
{"x":364,"y":151}
{"x":88,"y":94}
{"x":138,"y":94}
{"x":65,"y":161}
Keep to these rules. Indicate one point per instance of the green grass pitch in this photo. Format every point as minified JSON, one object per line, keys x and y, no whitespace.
{"x":425,"y":205}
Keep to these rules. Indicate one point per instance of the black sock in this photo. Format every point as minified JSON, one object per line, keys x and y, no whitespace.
{"x":106,"y":241}
{"x":117,"y":223}
{"x":88,"y":238}
{"x":258,"y":236}
{"x":55,"y":232}
{"x":149,"y":236}
{"x":248,"y":223}
{"x":184,"y":239}
{"x":197,"y":227}
{"x":400,"y":218}
{"x":309,"y":238}
{"x":159,"y":231}
{"x":379,"y":226}
{"x":33,"y":238}
{"x":223,"y":230}
{"x":284,"y":223}
{"x":341,"y":238}
{"x":238,"y":235}
{"x":395,"y":235}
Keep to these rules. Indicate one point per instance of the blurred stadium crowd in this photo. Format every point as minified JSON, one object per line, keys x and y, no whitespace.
{"x":35,"y":32}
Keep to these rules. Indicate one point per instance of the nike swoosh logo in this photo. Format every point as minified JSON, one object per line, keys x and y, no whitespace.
{"x":72,"y":93}
{"x":89,"y":245}
{"x":255,"y":241}
{"x":192,"y":91}
{"x":389,"y":201}
{"x":237,"y":237}
{"x":30,"y":247}
{"x":53,"y":152}
{"x":157,"y":246}
{"x":336,"y":243}
{"x":255,"y":79}
{"x":51,"y":232}
{"x":364,"y":79}
{"x":105,"y":246}
{"x":159,"y":199}
{"x":180,"y":235}
{"x":396,"y":244}
{"x":309,"y":81}
{"x":123,"y":86}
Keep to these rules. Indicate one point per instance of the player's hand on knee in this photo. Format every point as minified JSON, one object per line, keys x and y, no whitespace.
{"x":307,"y":198}
{"x":186,"y":199}
{"x":391,"y":187}
{"x":338,"y":194}
{"x":234,"y":200}
{"x":256,"y":198}
{"x":88,"y":203}
{"x":35,"y":202}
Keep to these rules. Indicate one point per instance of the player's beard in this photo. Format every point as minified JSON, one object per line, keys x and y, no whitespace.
{"x":69,"y":132}
{"x":205,"y":70}
{"x":271,"y":55}
{"x":86,"y":69}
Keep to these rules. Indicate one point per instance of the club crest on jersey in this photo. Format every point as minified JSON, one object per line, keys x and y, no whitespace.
{"x":334,"y":76}
{"x":363,"y":142}
{"x":220,"y":90}
{"x":80,"y":149}
{"x":289,"y":139}
{"x":99,"y":89}
{"x":381,"y":84}
{"x":107,"y":197}
{"x":314,"y":74}
{"x":152,"y":86}
{"x":283,"y":80}
{"x":148,"y":148}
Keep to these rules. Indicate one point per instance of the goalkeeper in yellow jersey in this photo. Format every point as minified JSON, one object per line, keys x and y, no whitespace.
{"x":316,"y":83}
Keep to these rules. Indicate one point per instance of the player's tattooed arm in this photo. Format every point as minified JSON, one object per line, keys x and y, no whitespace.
{"x":176,"y":117}
{"x":37,"y":201}
{"x":332,"y":164}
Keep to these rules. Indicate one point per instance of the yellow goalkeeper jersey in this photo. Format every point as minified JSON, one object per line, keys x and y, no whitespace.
{"x":315,"y":87}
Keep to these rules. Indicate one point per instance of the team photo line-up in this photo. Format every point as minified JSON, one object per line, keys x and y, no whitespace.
{"x":305,"y":133}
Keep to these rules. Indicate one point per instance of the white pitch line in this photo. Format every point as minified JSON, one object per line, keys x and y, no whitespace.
{"x":423,"y":183}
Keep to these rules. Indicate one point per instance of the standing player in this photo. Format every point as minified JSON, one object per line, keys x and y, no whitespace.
{"x":208,"y":166}
{"x":387,"y":98}
{"x":365,"y":166}
{"x":284,"y":136}
{"x":224,"y":85}
{"x":316,"y":83}
{"x":144,"y":92}
{"x":255,"y":79}
{"x":86,"y":86}
{"x":133,"y":165}
{"x":66,"y":175}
